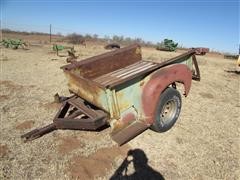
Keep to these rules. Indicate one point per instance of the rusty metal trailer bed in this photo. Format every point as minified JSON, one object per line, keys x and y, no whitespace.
{"x":120,"y":90}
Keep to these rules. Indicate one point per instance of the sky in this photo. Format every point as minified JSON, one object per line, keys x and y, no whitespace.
{"x":191,"y":23}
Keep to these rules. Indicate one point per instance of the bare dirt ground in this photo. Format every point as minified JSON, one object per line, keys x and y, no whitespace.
{"x":204,"y":143}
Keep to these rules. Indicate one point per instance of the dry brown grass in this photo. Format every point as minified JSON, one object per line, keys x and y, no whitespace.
{"x":204,"y":143}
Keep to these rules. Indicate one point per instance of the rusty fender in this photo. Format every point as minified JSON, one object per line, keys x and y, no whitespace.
{"x":158,"y":82}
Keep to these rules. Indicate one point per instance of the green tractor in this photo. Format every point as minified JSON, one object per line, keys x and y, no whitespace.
{"x":167,"y":45}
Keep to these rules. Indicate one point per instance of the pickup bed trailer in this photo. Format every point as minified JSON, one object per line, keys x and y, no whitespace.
{"x":120,"y":90}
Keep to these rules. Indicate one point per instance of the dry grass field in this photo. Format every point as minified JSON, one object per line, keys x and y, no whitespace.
{"x":204,"y":143}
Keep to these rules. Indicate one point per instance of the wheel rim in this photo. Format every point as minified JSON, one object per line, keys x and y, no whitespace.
{"x":168,"y":111}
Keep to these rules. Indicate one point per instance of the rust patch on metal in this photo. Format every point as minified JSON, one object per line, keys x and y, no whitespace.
{"x":25,"y":125}
{"x":106,"y":62}
{"x":127,"y":133}
{"x":87,"y":89}
{"x":159,"y":81}
{"x":201,"y":50}
{"x":122,"y":123}
{"x":127,"y":128}
{"x":69,"y":144}
{"x":128,"y":118}
{"x":97,"y":164}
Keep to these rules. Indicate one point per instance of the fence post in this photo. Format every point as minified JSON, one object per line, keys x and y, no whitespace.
{"x":50,"y":33}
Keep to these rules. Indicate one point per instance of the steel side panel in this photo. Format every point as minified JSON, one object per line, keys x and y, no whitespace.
{"x":87,"y":90}
{"x":99,"y":65}
{"x":129,"y":95}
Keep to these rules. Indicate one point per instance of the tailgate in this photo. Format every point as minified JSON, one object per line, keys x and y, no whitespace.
{"x":87,"y":89}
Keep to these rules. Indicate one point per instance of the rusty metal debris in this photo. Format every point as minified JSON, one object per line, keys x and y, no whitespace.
{"x":60,"y":99}
{"x":57,"y":48}
{"x":72,"y":57}
{"x":201,"y":50}
{"x":118,"y":89}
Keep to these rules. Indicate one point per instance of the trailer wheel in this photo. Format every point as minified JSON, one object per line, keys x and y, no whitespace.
{"x":167,"y":110}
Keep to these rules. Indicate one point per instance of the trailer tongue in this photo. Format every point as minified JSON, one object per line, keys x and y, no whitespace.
{"x":120,"y":90}
{"x":76,"y":114}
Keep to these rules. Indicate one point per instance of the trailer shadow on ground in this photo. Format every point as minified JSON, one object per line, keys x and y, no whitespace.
{"x":142,"y":170}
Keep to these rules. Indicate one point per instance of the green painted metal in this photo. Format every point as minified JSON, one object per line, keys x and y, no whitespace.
{"x":187,"y":60}
{"x":57,"y":47}
{"x":167,"y":45}
{"x":129,"y":95}
{"x":118,"y":87}
{"x":116,"y":100}
{"x":89,"y":90}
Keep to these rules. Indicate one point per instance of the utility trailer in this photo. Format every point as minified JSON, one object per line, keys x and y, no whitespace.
{"x":120,"y":90}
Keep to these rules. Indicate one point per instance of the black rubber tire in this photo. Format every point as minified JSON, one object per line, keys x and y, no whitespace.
{"x":170,"y":95}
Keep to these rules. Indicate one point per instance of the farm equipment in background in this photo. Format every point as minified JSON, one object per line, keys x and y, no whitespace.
{"x":14,"y":43}
{"x":118,"y":89}
{"x":201,"y":50}
{"x":71,"y":57}
{"x":237,"y":57}
{"x":236,"y":70}
{"x":230,"y":56}
{"x":167,"y":45}
{"x":58,"y":48}
{"x":233,"y":56}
